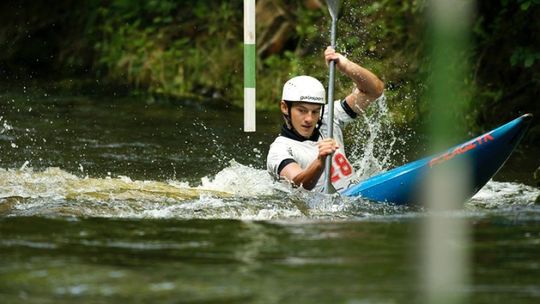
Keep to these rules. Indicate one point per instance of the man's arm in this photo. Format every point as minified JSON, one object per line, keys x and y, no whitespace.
{"x":368,"y":86}
{"x":309,"y":176}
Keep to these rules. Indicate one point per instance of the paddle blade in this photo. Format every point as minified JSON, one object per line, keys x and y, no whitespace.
{"x":333,"y":8}
{"x":329,"y":189}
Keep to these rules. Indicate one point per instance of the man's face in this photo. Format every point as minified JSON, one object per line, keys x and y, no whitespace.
{"x":304,"y":117}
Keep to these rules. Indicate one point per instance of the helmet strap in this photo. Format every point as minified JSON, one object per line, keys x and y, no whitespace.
{"x":287,"y":116}
{"x":319,"y":123}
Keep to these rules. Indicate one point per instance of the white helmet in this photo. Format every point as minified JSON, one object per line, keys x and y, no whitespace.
{"x":304,"y":89}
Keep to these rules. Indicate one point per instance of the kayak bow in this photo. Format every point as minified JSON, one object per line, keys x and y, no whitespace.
{"x":485,"y":155}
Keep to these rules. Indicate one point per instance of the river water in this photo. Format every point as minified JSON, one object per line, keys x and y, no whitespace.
{"x":106,"y":199}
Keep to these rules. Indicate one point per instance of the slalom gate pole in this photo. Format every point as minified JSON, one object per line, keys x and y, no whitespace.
{"x":249,"y":66}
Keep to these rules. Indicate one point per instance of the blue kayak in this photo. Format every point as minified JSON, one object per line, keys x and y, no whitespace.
{"x":485,"y":155}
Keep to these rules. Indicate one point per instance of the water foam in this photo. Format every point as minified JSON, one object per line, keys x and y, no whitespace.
{"x":237,"y":192}
{"x":500,"y":195}
{"x":241,"y":180}
{"x":374,"y":146}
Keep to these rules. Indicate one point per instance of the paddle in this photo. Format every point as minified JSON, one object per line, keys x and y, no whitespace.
{"x":333,"y":8}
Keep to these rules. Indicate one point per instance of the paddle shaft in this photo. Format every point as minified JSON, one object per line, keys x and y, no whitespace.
{"x":328,"y":163}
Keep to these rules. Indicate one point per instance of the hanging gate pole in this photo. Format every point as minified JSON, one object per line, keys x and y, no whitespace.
{"x":249,"y":66}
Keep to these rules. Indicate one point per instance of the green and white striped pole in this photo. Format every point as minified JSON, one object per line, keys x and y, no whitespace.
{"x":249,"y":65}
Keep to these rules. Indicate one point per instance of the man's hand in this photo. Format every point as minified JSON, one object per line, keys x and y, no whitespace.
{"x":309,"y":176}
{"x":330,"y":54}
{"x":326,"y":147}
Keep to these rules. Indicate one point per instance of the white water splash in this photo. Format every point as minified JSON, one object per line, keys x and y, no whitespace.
{"x":237,"y":192}
{"x":373,"y":148}
{"x":209,"y":207}
{"x":499,"y":195}
{"x":241,"y":180}
{"x":57,"y":184}
{"x":4,"y":125}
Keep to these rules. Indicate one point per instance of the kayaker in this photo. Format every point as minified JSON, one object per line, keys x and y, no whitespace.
{"x":298,"y":154}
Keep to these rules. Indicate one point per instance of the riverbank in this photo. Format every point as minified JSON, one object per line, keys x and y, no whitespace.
{"x":163,"y":50}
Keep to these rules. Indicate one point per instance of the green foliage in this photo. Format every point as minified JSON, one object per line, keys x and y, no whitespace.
{"x":194,"y":48}
{"x":524,"y":56}
{"x":165,"y":48}
{"x":506,"y":59}
{"x":526,"y":4}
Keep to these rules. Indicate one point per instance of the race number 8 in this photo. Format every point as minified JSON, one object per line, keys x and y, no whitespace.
{"x":343,"y":165}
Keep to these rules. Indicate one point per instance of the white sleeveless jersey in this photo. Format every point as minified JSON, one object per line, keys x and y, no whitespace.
{"x":305,"y":152}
